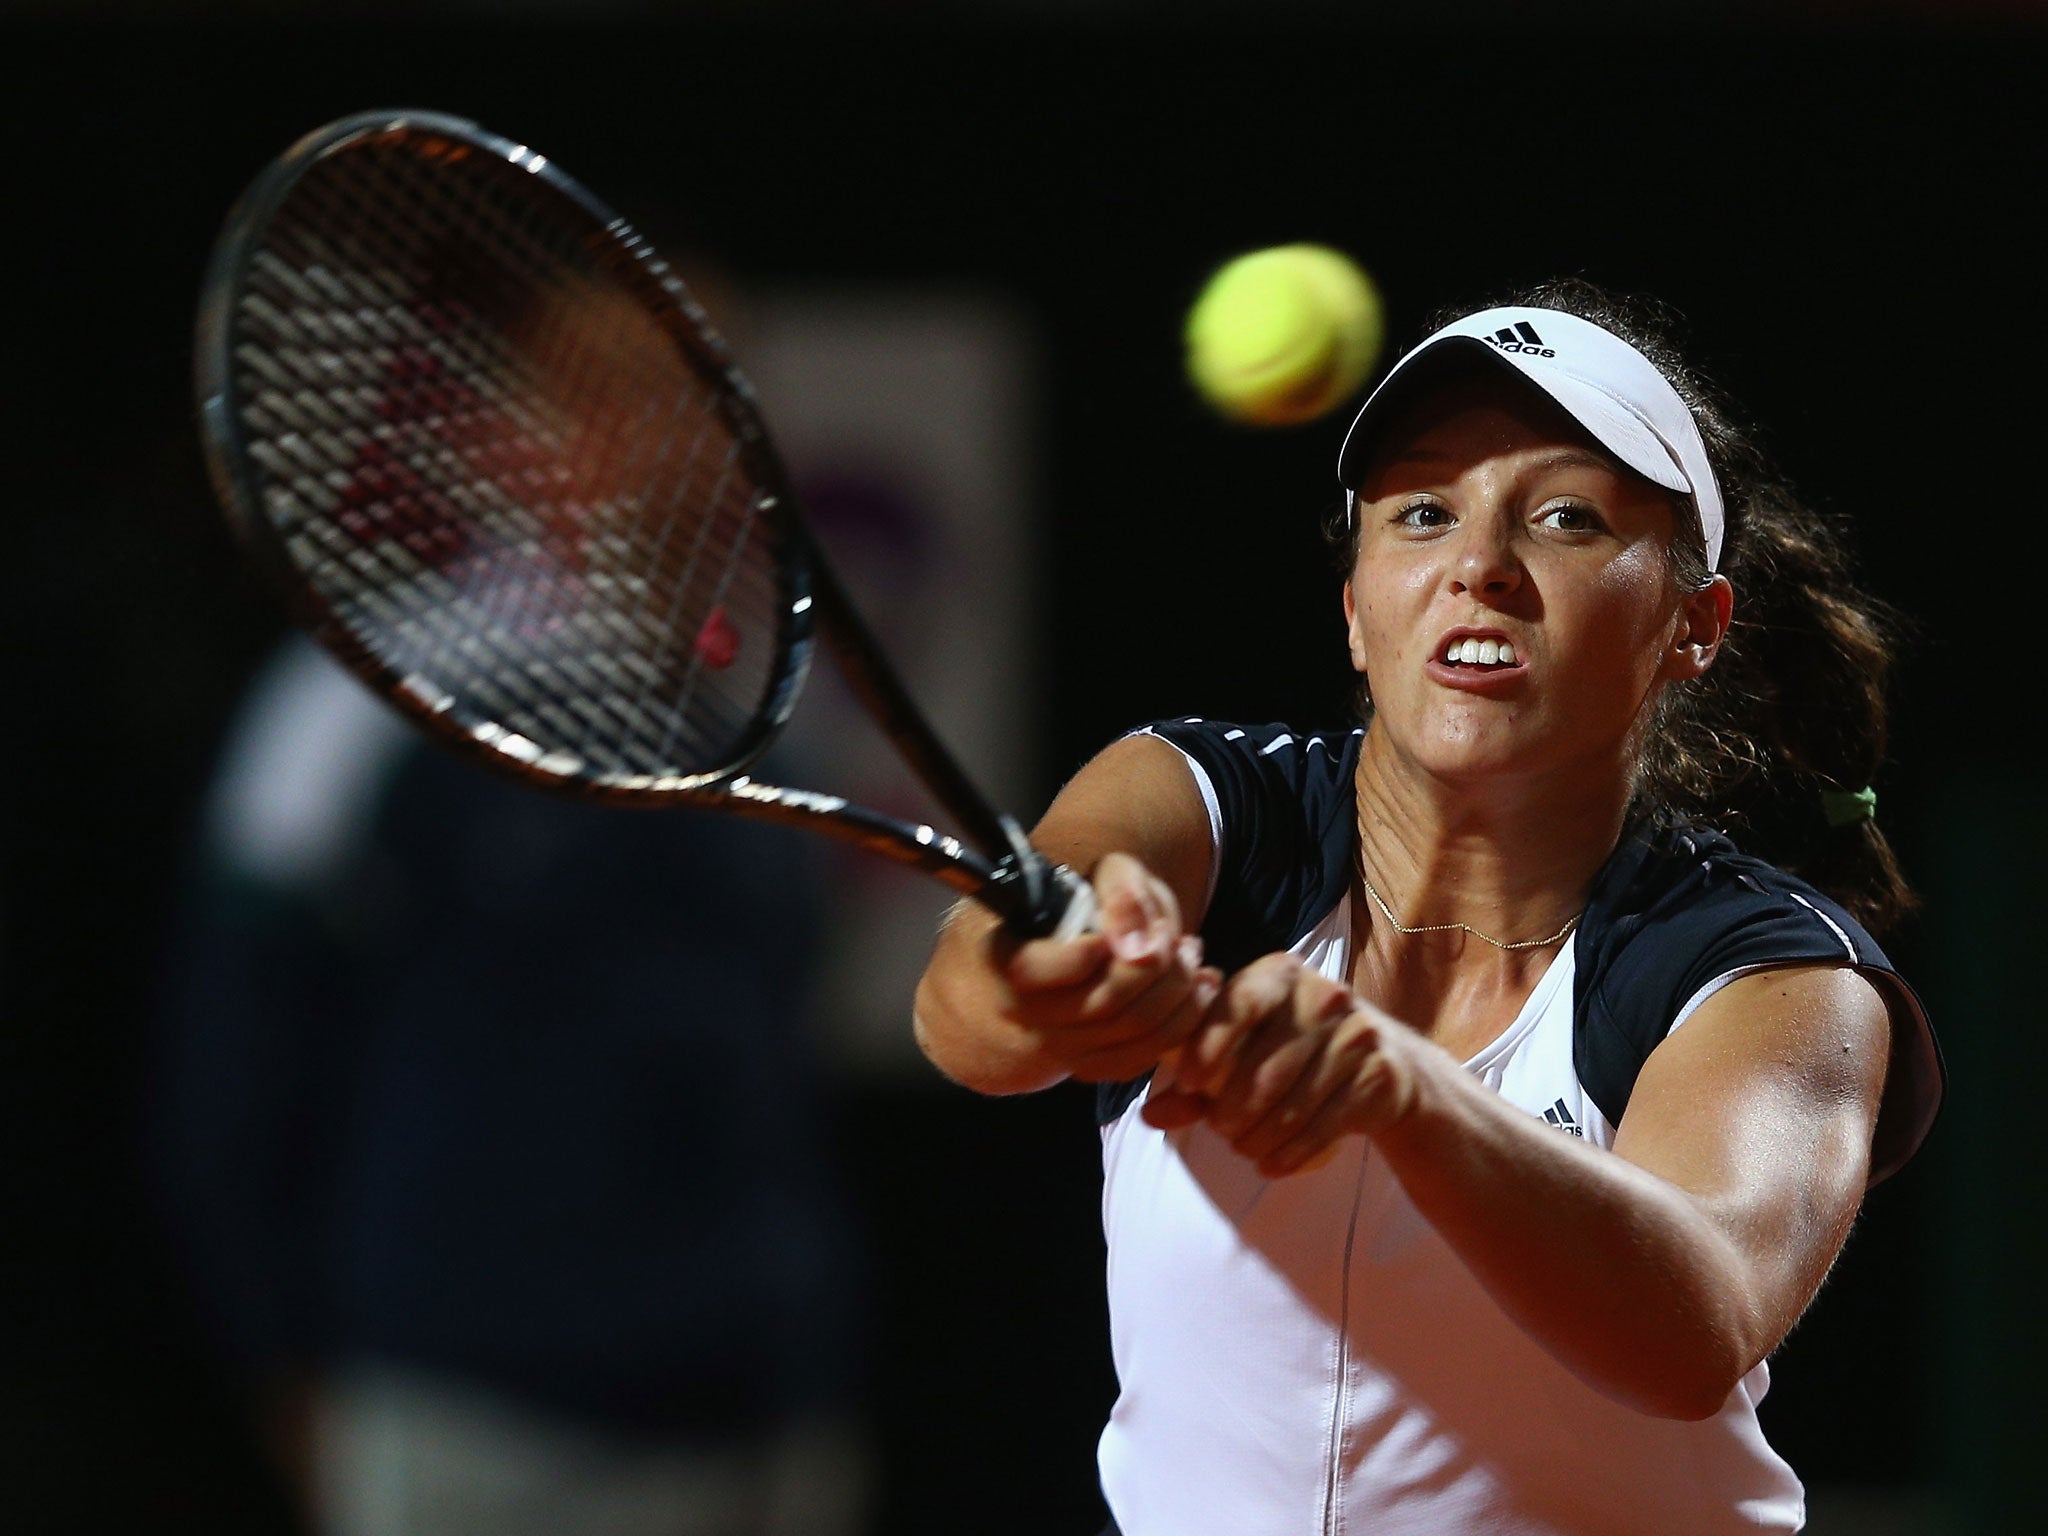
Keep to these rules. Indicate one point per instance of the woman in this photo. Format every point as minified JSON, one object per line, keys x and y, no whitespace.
{"x":1505,"y":1116}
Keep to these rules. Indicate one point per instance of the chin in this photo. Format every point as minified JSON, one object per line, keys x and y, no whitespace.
{"x":1460,"y":757}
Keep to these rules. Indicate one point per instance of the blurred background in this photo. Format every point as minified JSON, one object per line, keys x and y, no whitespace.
{"x":239,"y":1141}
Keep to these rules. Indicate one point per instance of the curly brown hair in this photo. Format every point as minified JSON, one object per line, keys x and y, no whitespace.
{"x":1793,"y":711}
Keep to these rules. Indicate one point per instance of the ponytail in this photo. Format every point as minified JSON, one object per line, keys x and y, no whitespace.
{"x":1781,"y":739}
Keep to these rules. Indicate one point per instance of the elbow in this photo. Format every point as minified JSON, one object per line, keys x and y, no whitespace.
{"x":1692,"y":1350}
{"x":976,"y":1071}
{"x":1688,"y":1389}
{"x":1690,"y":1401}
{"x":933,"y":1044}
{"x":936,"y":1044}
{"x":1670,"y":1366}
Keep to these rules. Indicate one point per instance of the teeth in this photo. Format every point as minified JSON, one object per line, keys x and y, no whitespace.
{"x":1480,"y":653}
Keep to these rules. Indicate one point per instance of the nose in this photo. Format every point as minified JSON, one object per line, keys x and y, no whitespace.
{"x":1486,"y":562}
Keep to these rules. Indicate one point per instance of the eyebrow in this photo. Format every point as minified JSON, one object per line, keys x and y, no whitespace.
{"x":1577,"y":458}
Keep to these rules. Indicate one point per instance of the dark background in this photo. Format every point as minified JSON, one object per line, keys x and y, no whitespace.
{"x":1845,"y":209}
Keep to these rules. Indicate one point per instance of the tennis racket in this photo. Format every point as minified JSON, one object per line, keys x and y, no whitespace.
{"x":499,"y":462}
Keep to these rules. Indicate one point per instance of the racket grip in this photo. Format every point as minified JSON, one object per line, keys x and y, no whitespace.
{"x":1083,"y":913}
{"x":1038,"y":898}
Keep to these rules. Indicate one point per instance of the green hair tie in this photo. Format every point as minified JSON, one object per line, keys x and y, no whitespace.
{"x":1842,"y":807}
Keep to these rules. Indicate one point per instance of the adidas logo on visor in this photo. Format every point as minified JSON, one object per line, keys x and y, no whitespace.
{"x":1608,"y":387}
{"x":1519,"y":337}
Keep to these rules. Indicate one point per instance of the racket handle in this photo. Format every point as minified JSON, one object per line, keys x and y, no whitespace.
{"x":1036,"y":897}
{"x":1083,"y":913}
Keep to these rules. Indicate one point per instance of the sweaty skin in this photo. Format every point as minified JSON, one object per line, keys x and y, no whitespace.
{"x":1659,"y":1273}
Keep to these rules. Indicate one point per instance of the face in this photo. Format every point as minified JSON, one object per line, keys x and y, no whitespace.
{"x":1490,"y":524}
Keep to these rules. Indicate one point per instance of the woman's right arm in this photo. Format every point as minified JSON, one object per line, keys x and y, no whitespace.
{"x":1000,"y":1016}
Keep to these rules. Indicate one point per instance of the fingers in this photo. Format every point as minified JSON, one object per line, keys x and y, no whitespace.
{"x":1285,"y":1063}
{"x":1263,"y":1007}
{"x":1106,"y":1004}
{"x":1309,"y":1147}
{"x":1055,"y":965}
{"x":1256,"y":995}
{"x":1168,"y":1105}
{"x":1282,"y":1075}
{"x":1331,"y":1097}
{"x":1369,"y":1096}
{"x":1140,"y":929}
{"x":1140,"y":916}
{"x":1130,"y":1042}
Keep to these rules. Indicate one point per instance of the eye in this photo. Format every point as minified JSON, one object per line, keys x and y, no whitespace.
{"x":1421,"y":513}
{"x":1571,"y":517}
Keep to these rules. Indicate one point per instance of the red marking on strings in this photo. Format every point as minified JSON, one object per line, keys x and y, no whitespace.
{"x":718,"y":643}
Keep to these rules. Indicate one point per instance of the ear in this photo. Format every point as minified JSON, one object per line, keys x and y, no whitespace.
{"x":1351,"y":629}
{"x":1703,"y":624}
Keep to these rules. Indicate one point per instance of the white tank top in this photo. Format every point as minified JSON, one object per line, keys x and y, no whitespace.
{"x":1307,"y":1357}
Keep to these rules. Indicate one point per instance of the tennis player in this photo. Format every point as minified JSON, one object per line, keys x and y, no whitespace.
{"x":1477,"y":1116}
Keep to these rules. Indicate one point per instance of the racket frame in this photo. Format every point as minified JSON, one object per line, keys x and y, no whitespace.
{"x":1000,"y":868}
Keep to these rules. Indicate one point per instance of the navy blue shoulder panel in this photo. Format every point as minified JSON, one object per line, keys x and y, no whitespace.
{"x":1286,"y":804}
{"x":1675,"y":907}
{"x":1285,"y":799}
{"x":1678,"y":905}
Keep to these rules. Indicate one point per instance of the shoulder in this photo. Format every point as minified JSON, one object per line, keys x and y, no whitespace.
{"x":1680,"y":911}
{"x":1705,"y":901}
{"x":1282,"y":813}
{"x":1254,"y":763}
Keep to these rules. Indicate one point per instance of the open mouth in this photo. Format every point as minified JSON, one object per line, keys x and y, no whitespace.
{"x":1479,"y":653}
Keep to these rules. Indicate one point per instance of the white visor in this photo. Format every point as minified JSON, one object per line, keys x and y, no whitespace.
{"x":1603,"y":384}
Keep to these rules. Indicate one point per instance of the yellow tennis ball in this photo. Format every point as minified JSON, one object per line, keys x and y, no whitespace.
{"x":1284,"y":335}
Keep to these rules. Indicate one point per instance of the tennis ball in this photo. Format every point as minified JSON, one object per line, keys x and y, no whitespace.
{"x":1283,"y":335}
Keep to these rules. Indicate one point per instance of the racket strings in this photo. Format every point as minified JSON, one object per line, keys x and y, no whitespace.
{"x":502,"y":475}
{"x":616,"y":333}
{"x":610,"y":330}
{"x":408,"y":350}
{"x":577,"y":690}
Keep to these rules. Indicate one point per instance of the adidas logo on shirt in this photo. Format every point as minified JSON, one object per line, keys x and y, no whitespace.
{"x":1561,"y":1117}
{"x":1519,"y":337}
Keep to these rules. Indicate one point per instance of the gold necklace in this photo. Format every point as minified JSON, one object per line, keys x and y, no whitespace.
{"x":1484,"y":938}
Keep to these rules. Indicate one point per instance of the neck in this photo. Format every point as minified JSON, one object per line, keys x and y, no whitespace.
{"x":1387,"y":912}
{"x":1503,"y":860}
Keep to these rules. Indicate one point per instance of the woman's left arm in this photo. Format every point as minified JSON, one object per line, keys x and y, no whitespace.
{"x":1658,"y":1273}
